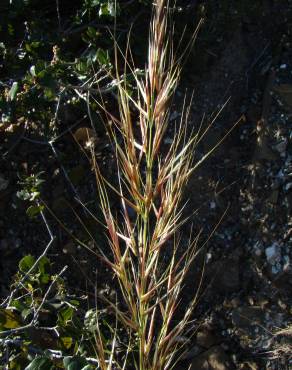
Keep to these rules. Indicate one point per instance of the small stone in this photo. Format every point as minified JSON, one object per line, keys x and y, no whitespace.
{"x":258,"y":252}
{"x":208,"y":257}
{"x":212,"y":205}
{"x":206,"y":338}
{"x":213,"y":359}
{"x":227,"y":276}
{"x":286,"y":265}
{"x":281,"y":146}
{"x":272,"y":253}
{"x":274,"y":196}
{"x":276,"y":269}
{"x":248,"y":366}
{"x":69,"y":248}
{"x":245,"y":317}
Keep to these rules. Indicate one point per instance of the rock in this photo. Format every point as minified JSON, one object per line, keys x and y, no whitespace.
{"x":283,"y":281}
{"x":281,"y":146}
{"x":273,"y":198}
{"x":206,"y":338}
{"x":245,"y":317}
{"x":227,"y":279}
{"x":273,"y":253}
{"x":69,"y":248}
{"x":248,"y":366}
{"x":287,"y":264}
{"x":285,"y":92}
{"x":213,"y":359}
{"x":212,"y":205}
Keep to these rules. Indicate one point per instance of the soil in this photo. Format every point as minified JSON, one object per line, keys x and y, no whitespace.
{"x":243,"y":192}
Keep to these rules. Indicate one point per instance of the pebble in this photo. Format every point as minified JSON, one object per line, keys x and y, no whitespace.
{"x":212,"y":205}
{"x":272,"y":253}
{"x":208,"y":257}
{"x":281,"y":146}
{"x":276,"y":268}
{"x":286,"y":265}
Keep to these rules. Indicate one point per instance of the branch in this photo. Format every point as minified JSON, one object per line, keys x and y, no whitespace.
{"x":34,"y":320}
{"x":20,"y":283}
{"x":52,"y":354}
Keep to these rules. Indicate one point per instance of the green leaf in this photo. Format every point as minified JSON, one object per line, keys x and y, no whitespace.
{"x":49,"y":93}
{"x":9,"y":319}
{"x":44,"y":265}
{"x":33,"y":211}
{"x":13,"y":91}
{"x":74,"y":362}
{"x":23,"y":194}
{"x":40,"y":363}
{"x":81,"y":66}
{"x":74,"y":302}
{"x":10,"y":29}
{"x":108,"y":8}
{"x":26,"y":263}
{"x":32,"y":46}
{"x":92,"y":32}
{"x":111,"y":6}
{"x":102,"y":57}
{"x":103,"y":10}
{"x":34,"y":195}
{"x":66,"y":342}
{"x":45,"y":278}
{"x":65,"y":315}
{"x":33,"y":71}
{"x":26,"y":312}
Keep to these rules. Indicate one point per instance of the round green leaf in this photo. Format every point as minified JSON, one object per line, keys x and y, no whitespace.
{"x":13,"y":91}
{"x":26,"y":263}
{"x":40,"y":363}
{"x":9,"y":319}
{"x":74,"y":362}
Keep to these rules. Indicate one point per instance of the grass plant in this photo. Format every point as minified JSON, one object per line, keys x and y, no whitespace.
{"x":151,"y":183}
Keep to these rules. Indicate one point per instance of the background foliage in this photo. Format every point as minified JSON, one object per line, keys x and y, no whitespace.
{"x":48,"y":51}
